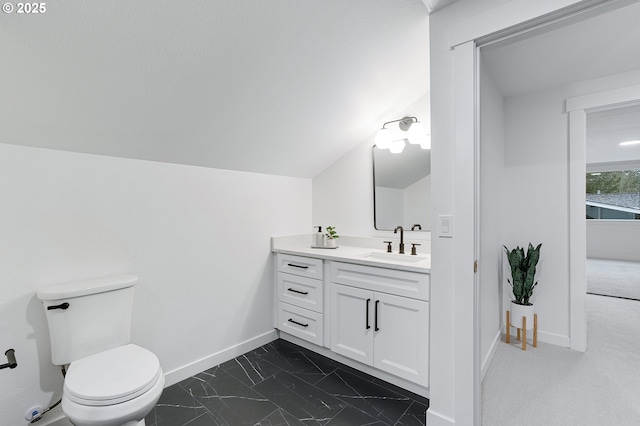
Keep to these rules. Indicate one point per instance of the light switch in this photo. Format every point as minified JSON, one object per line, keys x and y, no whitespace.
{"x":445,"y":222}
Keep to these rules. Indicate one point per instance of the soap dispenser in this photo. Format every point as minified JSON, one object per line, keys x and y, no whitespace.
{"x":318,"y":237}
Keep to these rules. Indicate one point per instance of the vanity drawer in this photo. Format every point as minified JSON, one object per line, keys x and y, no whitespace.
{"x":392,"y":281}
{"x":300,"y":291}
{"x":299,"y":265}
{"x":299,"y":322}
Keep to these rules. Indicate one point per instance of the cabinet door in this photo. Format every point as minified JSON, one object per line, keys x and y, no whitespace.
{"x":351,"y":322}
{"x":401,"y":343}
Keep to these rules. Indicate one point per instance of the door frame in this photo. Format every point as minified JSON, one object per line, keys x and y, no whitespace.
{"x":466,"y":197}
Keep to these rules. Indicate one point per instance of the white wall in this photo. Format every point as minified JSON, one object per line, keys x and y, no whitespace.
{"x":343,"y":192}
{"x":198,"y":239}
{"x":536,"y":207}
{"x":443,"y":407}
{"x":536,"y":159}
{"x":491,"y":216}
{"x":613,"y":239}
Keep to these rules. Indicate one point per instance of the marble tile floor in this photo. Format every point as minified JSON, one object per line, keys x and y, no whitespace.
{"x":284,"y":384}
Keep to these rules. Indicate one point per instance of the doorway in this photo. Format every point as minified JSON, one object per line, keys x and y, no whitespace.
{"x":613,"y":201}
{"x":532,"y":175}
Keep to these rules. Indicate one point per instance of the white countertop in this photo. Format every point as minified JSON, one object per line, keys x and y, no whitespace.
{"x":359,"y":250}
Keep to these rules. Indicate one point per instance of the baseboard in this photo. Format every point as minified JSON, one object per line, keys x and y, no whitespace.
{"x":436,"y":419}
{"x":174,"y":376}
{"x":554,"y":339}
{"x":546,"y":337}
{"x":56,"y":417}
{"x":486,"y":362}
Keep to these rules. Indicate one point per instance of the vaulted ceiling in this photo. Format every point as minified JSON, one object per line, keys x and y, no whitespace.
{"x":282,"y":87}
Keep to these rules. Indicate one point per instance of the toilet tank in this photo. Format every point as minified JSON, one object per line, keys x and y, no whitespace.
{"x":87,"y":317}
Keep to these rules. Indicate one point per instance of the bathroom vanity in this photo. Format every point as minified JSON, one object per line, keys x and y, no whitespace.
{"x":357,"y":304}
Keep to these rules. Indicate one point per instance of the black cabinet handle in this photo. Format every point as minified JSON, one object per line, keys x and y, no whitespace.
{"x":297,"y":291}
{"x":63,"y":306}
{"x":298,"y":323}
{"x":367,"y":314}
{"x":376,"y":317}
{"x":297,"y":266}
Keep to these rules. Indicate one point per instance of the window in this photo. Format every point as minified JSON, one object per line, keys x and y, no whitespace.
{"x":613,"y":195}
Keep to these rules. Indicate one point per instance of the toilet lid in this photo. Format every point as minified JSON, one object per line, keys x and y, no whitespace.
{"x":112,"y":376}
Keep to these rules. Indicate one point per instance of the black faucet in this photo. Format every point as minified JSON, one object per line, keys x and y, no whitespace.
{"x":395,"y":231}
{"x":417,"y":225}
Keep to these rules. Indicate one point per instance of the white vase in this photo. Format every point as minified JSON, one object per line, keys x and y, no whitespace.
{"x":331,"y":242}
{"x":519,"y":311}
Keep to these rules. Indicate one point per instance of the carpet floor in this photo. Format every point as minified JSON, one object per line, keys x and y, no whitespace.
{"x":551,"y":385}
{"x":615,"y":278}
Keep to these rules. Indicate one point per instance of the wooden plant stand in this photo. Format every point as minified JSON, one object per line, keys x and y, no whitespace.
{"x":524,"y":330}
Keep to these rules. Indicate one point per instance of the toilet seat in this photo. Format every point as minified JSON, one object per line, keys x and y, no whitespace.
{"x":113,"y":376}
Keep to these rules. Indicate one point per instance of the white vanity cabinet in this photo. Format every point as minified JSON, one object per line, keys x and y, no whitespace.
{"x":301,"y":297}
{"x":373,"y":326}
{"x":369,"y":314}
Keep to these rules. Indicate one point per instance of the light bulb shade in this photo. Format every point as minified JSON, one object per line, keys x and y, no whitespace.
{"x":426,"y":142}
{"x":397,"y":146}
{"x":416,"y":133}
{"x":383,"y":138}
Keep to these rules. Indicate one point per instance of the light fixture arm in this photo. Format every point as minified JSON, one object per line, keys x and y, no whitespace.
{"x":404,"y":123}
{"x":414,"y":133}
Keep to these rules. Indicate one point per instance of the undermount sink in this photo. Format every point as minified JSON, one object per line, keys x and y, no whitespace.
{"x":408,"y":258}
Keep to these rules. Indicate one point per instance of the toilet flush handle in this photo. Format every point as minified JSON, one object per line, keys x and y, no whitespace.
{"x":64,"y":305}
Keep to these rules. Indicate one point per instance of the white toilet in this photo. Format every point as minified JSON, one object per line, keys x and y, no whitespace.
{"x":109,"y":382}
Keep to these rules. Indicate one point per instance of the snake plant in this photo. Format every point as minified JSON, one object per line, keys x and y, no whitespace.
{"x":523,"y":271}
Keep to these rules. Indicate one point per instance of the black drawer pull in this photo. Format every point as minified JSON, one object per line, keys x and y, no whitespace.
{"x":376,"y":317}
{"x":64,"y":305}
{"x":297,"y":266}
{"x":367,"y":314}
{"x":298,"y":323}
{"x":297,"y":291}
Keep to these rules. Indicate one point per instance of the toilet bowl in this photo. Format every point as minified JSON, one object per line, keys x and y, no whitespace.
{"x":112,"y":388}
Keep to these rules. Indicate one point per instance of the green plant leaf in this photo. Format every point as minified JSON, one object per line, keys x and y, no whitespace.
{"x":523,"y":270}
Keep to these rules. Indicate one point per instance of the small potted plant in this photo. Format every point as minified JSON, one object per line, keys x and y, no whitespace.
{"x":332,"y":236}
{"x":523,"y":271}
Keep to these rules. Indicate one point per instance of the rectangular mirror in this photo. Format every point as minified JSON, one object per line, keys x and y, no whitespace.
{"x":401,"y":188}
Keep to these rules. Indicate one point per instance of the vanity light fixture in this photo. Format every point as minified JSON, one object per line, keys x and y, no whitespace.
{"x":627,"y":143}
{"x":411,"y":130}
